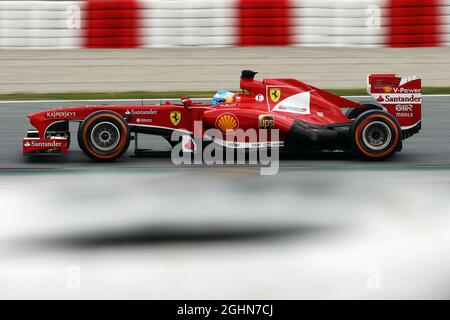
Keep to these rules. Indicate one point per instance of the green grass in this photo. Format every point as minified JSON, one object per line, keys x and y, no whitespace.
{"x":166,"y":94}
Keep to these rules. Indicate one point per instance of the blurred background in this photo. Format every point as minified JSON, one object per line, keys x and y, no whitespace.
{"x":202,"y":45}
{"x":176,"y":23}
{"x":326,"y":226}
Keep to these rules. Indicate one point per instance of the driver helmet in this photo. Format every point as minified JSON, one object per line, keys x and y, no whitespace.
{"x":223,"y":96}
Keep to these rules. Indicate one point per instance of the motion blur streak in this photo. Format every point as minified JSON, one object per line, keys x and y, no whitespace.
{"x":225,"y":233}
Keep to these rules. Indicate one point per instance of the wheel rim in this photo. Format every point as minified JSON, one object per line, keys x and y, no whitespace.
{"x":105,"y":136}
{"x":377,"y":135}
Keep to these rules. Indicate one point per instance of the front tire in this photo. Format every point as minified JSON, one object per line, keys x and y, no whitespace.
{"x":376,"y":135}
{"x":104,"y":136}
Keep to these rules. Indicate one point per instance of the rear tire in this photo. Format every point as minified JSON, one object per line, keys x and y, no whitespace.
{"x":376,"y":135}
{"x":104,"y":136}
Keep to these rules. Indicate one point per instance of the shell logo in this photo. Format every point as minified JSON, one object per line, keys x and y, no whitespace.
{"x":227,"y":122}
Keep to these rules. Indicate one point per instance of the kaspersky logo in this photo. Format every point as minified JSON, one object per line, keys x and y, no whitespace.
{"x":61,"y":114}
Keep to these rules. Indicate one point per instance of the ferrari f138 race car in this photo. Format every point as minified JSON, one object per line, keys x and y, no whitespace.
{"x":306,"y":117}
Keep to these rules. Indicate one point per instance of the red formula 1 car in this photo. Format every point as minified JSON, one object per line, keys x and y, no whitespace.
{"x":306,"y":118}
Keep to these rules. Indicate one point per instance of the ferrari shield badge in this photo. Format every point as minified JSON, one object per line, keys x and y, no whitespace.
{"x":275,"y":94}
{"x":175,"y":117}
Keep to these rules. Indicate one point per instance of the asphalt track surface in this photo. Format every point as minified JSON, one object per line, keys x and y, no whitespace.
{"x":430,"y":147}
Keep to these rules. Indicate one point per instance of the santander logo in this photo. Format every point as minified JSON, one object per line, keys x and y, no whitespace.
{"x":399,"y":98}
{"x":43,"y":144}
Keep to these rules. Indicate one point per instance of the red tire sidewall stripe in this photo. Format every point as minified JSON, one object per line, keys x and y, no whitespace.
{"x":364,"y":123}
{"x":119,"y":147}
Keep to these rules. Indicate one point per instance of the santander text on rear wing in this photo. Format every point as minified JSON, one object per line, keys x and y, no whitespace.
{"x":401,"y":97}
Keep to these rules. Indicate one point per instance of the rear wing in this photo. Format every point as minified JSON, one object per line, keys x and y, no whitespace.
{"x":401,"y":97}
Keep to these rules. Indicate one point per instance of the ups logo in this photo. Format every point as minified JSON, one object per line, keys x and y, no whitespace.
{"x":266,"y":121}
